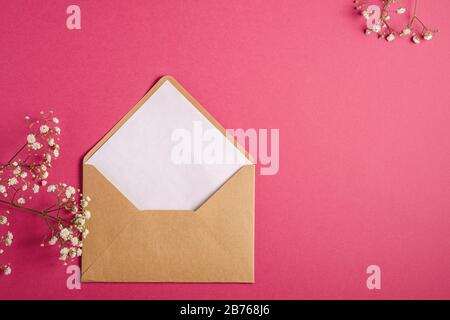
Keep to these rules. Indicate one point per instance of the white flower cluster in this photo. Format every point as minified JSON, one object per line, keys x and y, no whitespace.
{"x":6,"y":269}
{"x":70,"y":236}
{"x":25,"y":176}
{"x":384,"y":31}
{"x":7,"y":240}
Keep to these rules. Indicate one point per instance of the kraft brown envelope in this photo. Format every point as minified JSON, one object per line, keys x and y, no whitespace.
{"x":214,"y":243}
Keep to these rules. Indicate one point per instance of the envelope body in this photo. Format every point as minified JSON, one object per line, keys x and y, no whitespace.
{"x":154,"y":220}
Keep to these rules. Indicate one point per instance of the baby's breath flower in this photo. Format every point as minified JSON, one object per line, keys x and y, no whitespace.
{"x":21,"y":201}
{"x":72,"y":252}
{"x":416,"y":39}
{"x":405,"y":32}
{"x":53,"y":240}
{"x":65,"y":234}
{"x":48,"y":158}
{"x":7,"y":270}
{"x":87,"y":214}
{"x":31,"y":139}
{"x":390,"y":37}
{"x":63,"y":253}
{"x":36,"y":146}
{"x":12,"y":181}
{"x":74,"y":241}
{"x":428,"y":35}
{"x":44,"y":129}
{"x":3,"y":220}
{"x":80,"y":221}
{"x":35,"y":188}
{"x":17,"y":170}
{"x":70,"y":191}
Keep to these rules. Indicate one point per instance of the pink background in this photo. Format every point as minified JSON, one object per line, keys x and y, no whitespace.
{"x":365,"y":133}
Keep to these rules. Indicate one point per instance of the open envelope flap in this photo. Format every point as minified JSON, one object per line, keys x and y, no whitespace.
{"x":214,"y":244}
{"x":141,"y":155}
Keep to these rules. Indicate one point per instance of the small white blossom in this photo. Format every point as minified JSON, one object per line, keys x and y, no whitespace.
{"x":87,"y":214}
{"x":24,"y":187}
{"x":7,"y":270}
{"x":36,"y":146}
{"x":72,"y":252}
{"x":63,"y":254}
{"x":48,"y":158}
{"x":17,"y":171}
{"x":79,"y":252}
{"x":401,"y":10}
{"x":416,"y":39}
{"x":57,"y":130}
{"x":9,"y":235}
{"x":74,"y":241}
{"x":80,"y":221}
{"x":2,"y":189}
{"x":31,"y":139}
{"x":428,"y":35}
{"x":12,"y":181}
{"x":51,"y":142}
{"x":56,"y":153}
{"x":21,"y":201}
{"x":44,"y":129}
{"x":44,"y":175}
{"x":35,"y":188}
{"x":23,"y":175}
{"x":405,"y":32}
{"x":85,"y":233}
{"x":56,"y":120}
{"x":390,"y":37}
{"x":51,"y":188}
{"x":53,"y":240}
{"x":3,"y":220}
{"x":70,"y":191}
{"x":65,"y":234}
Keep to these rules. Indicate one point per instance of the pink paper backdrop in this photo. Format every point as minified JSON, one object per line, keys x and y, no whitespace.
{"x":365,"y":133}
